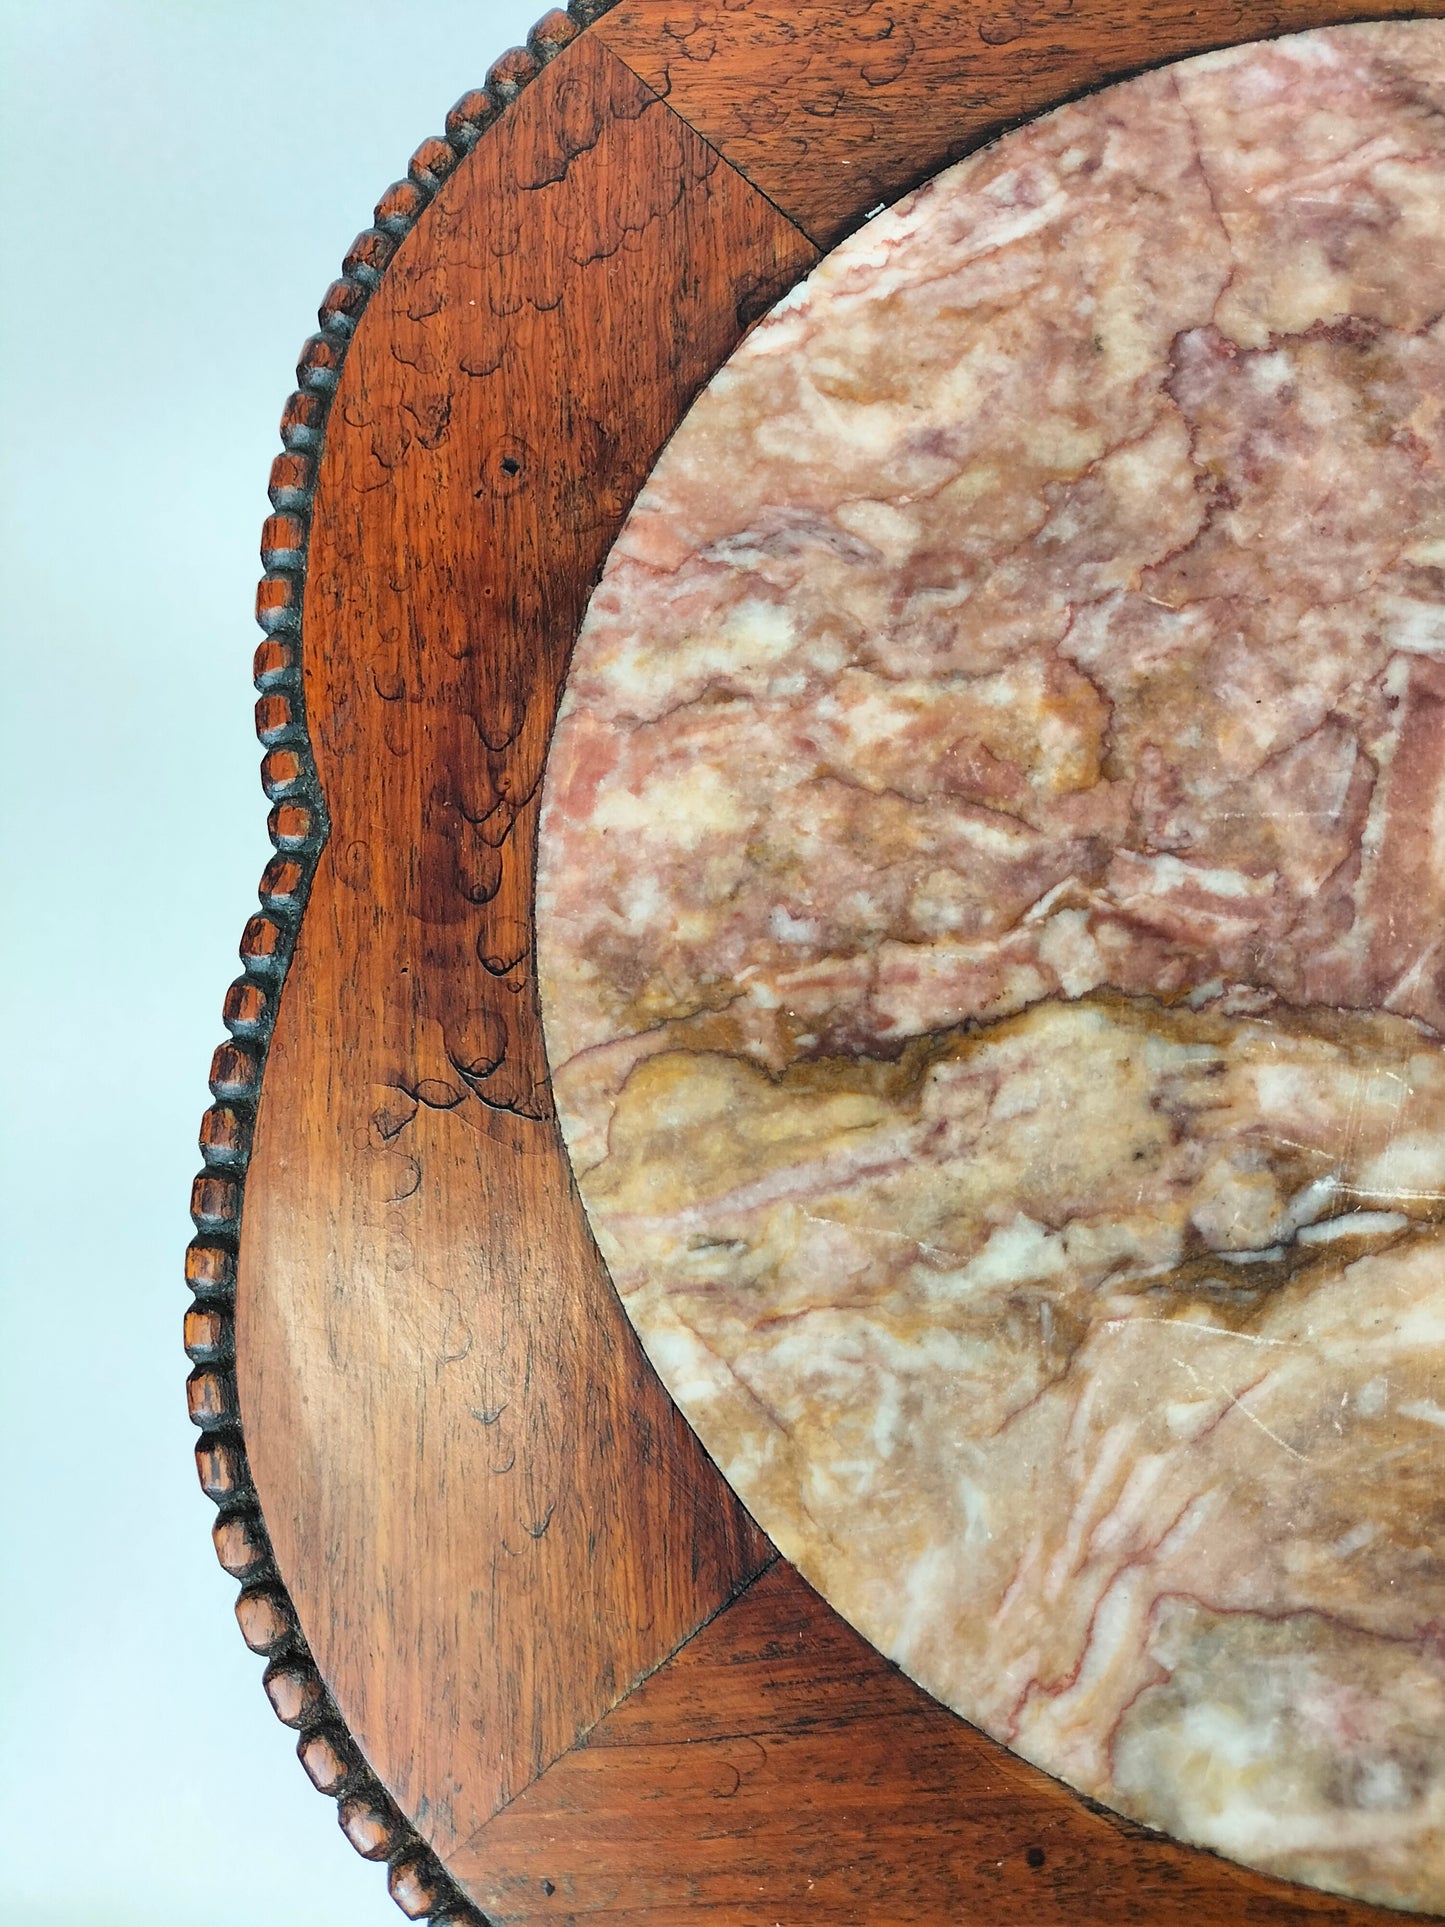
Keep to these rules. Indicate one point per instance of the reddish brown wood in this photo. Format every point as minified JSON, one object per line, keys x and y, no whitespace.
{"x":295,"y":1692}
{"x":778,"y":1771}
{"x":414,"y":1886}
{"x":241,"y":1546}
{"x":265,"y":1617}
{"x":488,"y":1514}
{"x":220,"y":1465}
{"x":329,"y":1759}
{"x":207,"y":1335}
{"x":371,"y":1826}
{"x":834,"y":107}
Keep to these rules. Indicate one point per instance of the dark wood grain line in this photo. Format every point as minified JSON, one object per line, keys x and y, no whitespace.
{"x":833,"y":108}
{"x":778,"y":1771}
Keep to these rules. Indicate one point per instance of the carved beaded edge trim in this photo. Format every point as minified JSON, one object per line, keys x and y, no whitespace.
{"x":298,"y":828}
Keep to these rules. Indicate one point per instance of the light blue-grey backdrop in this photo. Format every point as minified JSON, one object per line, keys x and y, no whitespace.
{"x":180,"y":180}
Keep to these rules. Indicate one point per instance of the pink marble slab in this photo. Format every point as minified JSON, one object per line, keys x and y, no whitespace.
{"x":990,"y":920}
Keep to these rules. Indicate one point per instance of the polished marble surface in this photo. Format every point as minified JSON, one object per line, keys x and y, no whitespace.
{"x":990,"y":924}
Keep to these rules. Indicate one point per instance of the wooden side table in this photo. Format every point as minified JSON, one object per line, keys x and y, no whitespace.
{"x":546,"y":1663}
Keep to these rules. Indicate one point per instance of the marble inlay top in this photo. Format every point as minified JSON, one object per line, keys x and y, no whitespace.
{"x":990,"y":921}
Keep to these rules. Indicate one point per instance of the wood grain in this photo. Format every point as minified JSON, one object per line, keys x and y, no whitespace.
{"x":834,"y":107}
{"x":778,"y":1772}
{"x":489,"y":1516}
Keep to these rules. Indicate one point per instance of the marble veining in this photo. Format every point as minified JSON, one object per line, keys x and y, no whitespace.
{"x":990,"y":927}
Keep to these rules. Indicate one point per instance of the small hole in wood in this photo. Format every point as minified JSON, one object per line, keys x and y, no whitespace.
{"x":1035,"y":1856}
{"x":510,"y":465}
{"x":548,"y":1888}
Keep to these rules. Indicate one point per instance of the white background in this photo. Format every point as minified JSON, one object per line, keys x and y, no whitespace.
{"x":180,"y":182}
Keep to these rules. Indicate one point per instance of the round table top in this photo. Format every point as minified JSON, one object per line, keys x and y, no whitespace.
{"x":530,"y":1640}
